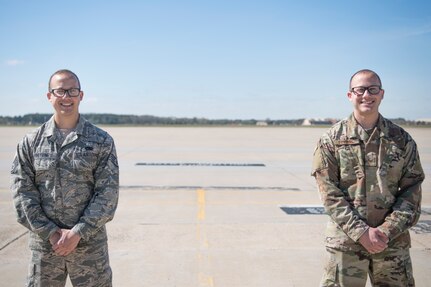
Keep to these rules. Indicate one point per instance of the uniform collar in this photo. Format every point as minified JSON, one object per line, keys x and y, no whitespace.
{"x":50,"y":127}
{"x":383,"y":125}
{"x":81,"y":125}
{"x":355,"y":130}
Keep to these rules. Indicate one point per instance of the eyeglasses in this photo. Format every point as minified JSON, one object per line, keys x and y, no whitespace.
{"x":373,"y":90}
{"x":73,"y":92}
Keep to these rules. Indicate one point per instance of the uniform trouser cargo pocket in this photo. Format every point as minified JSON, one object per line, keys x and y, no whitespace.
{"x":345,"y":269}
{"x":89,"y":267}
{"x":392,"y":267}
{"x":46,"y":269}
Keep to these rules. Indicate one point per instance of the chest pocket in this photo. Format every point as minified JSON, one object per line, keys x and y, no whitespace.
{"x":348,"y":153}
{"x":44,"y":161}
{"x":83,"y":161}
{"x":78,"y":166}
{"x":392,"y":163}
{"x":44,"y":166}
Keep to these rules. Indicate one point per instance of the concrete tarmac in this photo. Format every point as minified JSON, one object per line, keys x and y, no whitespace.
{"x":206,"y":207}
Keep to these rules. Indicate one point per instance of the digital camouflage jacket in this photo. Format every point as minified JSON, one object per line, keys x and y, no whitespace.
{"x":71,"y":184}
{"x":368,"y":180}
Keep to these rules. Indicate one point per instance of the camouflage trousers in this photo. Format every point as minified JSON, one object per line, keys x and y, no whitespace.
{"x":390,"y":268}
{"x":86,"y":266}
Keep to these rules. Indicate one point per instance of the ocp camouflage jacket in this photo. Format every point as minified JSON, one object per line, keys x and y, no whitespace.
{"x":368,"y":181}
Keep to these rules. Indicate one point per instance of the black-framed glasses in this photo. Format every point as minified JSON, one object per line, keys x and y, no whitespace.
{"x":373,"y":90}
{"x":73,"y":92}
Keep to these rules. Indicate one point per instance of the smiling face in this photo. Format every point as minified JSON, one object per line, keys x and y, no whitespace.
{"x":366,"y":105}
{"x":65,"y":107}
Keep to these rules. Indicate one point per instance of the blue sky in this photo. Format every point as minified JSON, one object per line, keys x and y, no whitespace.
{"x":216,"y":59}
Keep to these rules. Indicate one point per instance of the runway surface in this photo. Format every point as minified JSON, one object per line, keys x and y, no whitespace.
{"x":220,"y":206}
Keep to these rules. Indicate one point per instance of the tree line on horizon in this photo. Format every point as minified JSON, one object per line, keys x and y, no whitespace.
{"x":147,"y":120}
{"x":142,"y":120}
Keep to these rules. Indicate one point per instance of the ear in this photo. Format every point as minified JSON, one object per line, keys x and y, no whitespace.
{"x":349,"y":95}
{"x":81,"y":95}
{"x":383,"y":93}
{"x":49,"y":95}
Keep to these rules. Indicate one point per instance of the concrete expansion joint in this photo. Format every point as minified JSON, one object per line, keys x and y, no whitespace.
{"x":13,"y":240}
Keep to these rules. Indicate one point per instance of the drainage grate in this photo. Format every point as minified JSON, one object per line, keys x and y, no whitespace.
{"x":200,"y":164}
{"x":313,"y":210}
{"x":426,"y":210}
{"x":423,"y":226}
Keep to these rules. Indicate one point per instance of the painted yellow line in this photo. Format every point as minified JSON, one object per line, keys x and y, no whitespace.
{"x":201,"y":204}
{"x":202,"y":237}
{"x":204,"y":279}
{"x":210,"y":281}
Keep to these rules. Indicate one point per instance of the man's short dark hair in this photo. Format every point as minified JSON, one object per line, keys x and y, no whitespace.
{"x":364,"y":71}
{"x":63,"y":71}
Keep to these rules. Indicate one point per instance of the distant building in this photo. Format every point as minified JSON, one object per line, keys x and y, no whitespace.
{"x":261,"y":124}
{"x":318,"y":122}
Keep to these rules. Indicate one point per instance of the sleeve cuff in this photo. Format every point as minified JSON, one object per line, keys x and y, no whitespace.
{"x":390,"y":231}
{"x":80,"y":229}
{"x":358,"y":232}
{"x":49,"y":230}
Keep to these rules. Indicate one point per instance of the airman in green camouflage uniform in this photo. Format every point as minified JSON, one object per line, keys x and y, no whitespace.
{"x":369,"y":177}
{"x":65,"y":185}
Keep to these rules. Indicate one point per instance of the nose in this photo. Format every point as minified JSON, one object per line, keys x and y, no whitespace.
{"x":66,"y":94}
{"x":367,"y":94}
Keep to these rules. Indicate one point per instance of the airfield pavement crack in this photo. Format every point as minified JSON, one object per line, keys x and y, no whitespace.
{"x":13,"y":240}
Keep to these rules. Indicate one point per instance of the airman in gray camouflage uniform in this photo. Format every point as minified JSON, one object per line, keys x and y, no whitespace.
{"x":65,"y":189}
{"x":369,"y":177}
